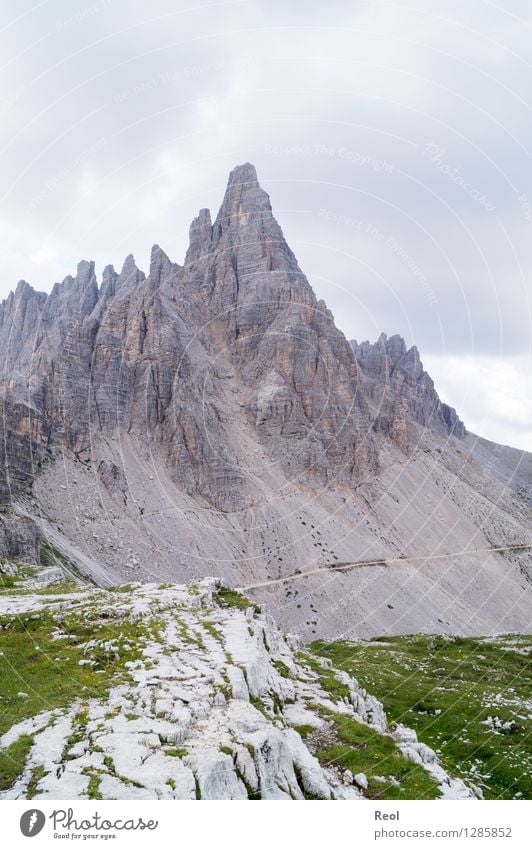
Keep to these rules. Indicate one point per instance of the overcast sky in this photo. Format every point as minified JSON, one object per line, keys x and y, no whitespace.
{"x":393,"y":138}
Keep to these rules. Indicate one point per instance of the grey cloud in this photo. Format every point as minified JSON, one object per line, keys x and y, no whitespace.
{"x":394,"y":142}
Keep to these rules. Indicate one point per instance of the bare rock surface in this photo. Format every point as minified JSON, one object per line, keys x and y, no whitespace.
{"x":209,"y":709}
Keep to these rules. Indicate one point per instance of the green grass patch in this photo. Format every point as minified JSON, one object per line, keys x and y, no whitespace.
{"x":61,"y":588}
{"x":13,"y":760}
{"x":211,"y":629}
{"x":282,"y":669}
{"x":48,"y":670}
{"x":361,"y":749}
{"x":327,"y":678}
{"x":37,"y":774}
{"x":446,"y":689}
{"x":304,"y":730}
{"x":17,"y":584}
{"x":176,"y":753}
{"x":227,"y":597}
{"x":93,"y":789}
{"x":8,"y":582}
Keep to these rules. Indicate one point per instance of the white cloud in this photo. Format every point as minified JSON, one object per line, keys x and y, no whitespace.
{"x":493,"y":395}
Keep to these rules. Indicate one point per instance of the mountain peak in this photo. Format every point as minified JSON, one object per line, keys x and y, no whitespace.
{"x":23,"y":288}
{"x":200,"y":236}
{"x":246,"y":173}
{"x":108,"y":285}
{"x":129,"y":265}
{"x":244,"y":201}
{"x":85,"y":272}
{"x":160,"y":263}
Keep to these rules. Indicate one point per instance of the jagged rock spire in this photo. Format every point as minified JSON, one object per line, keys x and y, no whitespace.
{"x":244,"y":198}
{"x":75,"y":297}
{"x":108,"y":287}
{"x":246,"y":230}
{"x":130,"y":276}
{"x":161,"y":265}
{"x":200,"y":237}
{"x":399,"y":386}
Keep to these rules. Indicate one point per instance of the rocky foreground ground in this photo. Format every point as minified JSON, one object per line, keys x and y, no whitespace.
{"x":187,"y":692}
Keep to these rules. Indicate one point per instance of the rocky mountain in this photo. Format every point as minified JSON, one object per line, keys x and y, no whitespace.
{"x":210,"y":418}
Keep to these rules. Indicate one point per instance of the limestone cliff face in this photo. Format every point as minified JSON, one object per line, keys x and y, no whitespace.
{"x":233,"y":341}
{"x":236,"y":335}
{"x":296,"y":374}
{"x":401,"y":393}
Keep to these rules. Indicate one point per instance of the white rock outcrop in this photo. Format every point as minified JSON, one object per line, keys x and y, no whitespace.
{"x":210,"y":709}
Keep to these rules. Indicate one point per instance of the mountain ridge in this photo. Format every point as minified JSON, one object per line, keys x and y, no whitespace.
{"x":210,"y":418}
